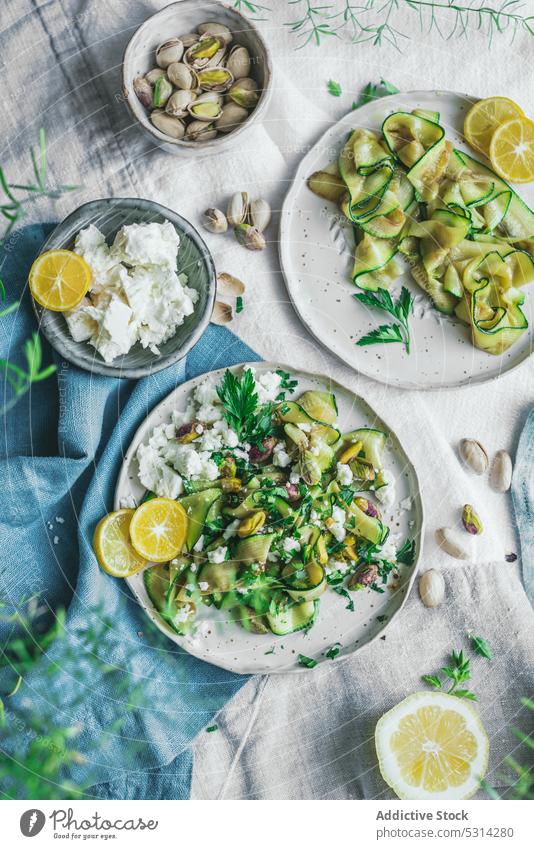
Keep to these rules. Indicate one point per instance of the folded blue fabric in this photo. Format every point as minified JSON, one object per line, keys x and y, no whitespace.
{"x":523,"y":501}
{"x":62,"y":449}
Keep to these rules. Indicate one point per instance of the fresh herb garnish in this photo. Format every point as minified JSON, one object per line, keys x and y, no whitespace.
{"x":334,"y":88}
{"x":406,"y":553}
{"x":308,"y":662}
{"x":400,"y":310}
{"x":239,"y":304}
{"x":480,"y":646}
{"x":271,"y":651}
{"x":333,"y":651}
{"x":211,"y":728}
{"x":251,"y":422}
{"x":458,"y":672}
{"x":287,"y":384}
{"x":372,"y":91}
{"x":21,"y":379}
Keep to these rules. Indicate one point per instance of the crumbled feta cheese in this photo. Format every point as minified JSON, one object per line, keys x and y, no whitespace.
{"x":186,"y":416}
{"x":344,"y":474}
{"x":206,"y":392}
{"x":183,"y":613}
{"x":386,"y":494}
{"x":228,"y":436}
{"x":290,"y":544}
{"x":60,"y":520}
{"x":56,"y":540}
{"x":170,"y":484}
{"x":210,"y":441}
{"x":146,"y":244}
{"x":127,"y":502}
{"x":82,"y":325}
{"x":91,"y":244}
{"x":203,"y":586}
{"x":337,"y":529}
{"x":389,"y":550}
{"x":199,"y":545}
{"x":280,"y":456}
{"x":267,"y":385}
{"x":156,"y":475}
{"x":294,"y":477}
{"x":209,"y":470}
{"x":218,"y":555}
{"x":184,"y":458}
{"x":231,"y":529}
{"x":406,"y":503}
{"x":340,"y":566}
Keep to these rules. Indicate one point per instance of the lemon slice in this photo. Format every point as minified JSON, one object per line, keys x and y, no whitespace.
{"x":112,"y":546}
{"x":158,"y":529}
{"x":485,"y":116}
{"x":59,"y":280}
{"x":512,"y":150}
{"x":432,"y":746}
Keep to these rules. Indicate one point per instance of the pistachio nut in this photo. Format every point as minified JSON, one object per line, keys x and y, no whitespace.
{"x":368,"y":507}
{"x":220,"y":31}
{"x":501,"y":472}
{"x":207,"y":107}
{"x":296,"y":435}
{"x":228,"y":467}
{"x":154,"y":75}
{"x":432,"y":588}
{"x":252,"y":622}
{"x":177,"y":104}
{"x":161,"y":92}
{"x":172,"y":127}
{"x":232,"y":115}
{"x":452,"y":543}
{"x":350,"y":453}
{"x":222,"y":313}
{"x":168,"y":52}
{"x":363,"y":470}
{"x":231,"y":484}
{"x":182,"y":76}
{"x":189,"y":39}
{"x":474,"y":455}
{"x":252,"y":524}
{"x":471,"y":521}
{"x":250,"y":237}
{"x":238,"y":62}
{"x":237,"y":209}
{"x":363,"y":577}
{"x":199,"y":54}
{"x":227,"y":284}
{"x":215,"y":79}
{"x":200,"y":131}
{"x":143,"y":90}
{"x":309,"y":469}
{"x":321,"y":550}
{"x":244,"y":92}
{"x":260,"y":214}
{"x":215,"y":221}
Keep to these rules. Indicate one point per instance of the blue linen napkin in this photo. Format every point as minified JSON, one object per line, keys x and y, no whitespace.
{"x":523,"y":502}
{"x":62,"y":448}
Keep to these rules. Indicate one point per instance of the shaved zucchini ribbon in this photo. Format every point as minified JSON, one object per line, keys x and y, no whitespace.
{"x":410,"y":194}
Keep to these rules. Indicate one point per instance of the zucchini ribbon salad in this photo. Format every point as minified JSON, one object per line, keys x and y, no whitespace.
{"x":467,"y":237}
{"x":256,"y":504}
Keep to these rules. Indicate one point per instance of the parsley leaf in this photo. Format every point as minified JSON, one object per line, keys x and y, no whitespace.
{"x":334,"y":88}
{"x":238,"y":395}
{"x":211,"y":728}
{"x":458,"y":672}
{"x":333,"y":651}
{"x":372,"y":91}
{"x":401,"y":310}
{"x":308,"y":662}
{"x":480,"y":646}
{"x":239,"y":304}
{"x":406,"y":553}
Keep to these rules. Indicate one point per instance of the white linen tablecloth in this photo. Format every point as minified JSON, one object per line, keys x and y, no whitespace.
{"x":299,"y":737}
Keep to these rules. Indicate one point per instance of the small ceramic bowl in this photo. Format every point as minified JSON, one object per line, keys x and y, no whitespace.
{"x":178,"y":19}
{"x":194,"y":258}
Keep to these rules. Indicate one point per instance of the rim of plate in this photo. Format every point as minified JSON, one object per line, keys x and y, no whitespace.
{"x":285,"y":263}
{"x":186,"y":388}
{"x":57,"y":239}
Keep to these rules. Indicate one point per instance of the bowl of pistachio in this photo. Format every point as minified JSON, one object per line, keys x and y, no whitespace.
{"x":196,"y":75}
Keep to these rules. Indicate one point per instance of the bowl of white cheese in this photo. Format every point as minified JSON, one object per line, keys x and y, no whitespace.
{"x":152,"y":290}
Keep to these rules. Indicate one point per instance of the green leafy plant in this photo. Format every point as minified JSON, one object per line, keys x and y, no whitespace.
{"x":392,"y":22}
{"x":22,"y":378}
{"x":522,"y":786}
{"x":401,"y":310}
{"x":252,"y":422}
{"x":14,"y":207}
{"x":480,"y":646}
{"x":373,"y":91}
{"x":308,"y":662}
{"x":457,"y":672}
{"x":334,"y":88}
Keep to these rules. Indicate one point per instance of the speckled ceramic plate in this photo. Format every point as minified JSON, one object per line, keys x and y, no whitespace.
{"x":228,"y":645}
{"x":194,"y":258}
{"x":316,"y":245}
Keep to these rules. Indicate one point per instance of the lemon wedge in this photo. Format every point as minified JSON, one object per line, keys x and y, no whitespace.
{"x":59,"y":279}
{"x":158,"y":529}
{"x":112,"y":546}
{"x":512,"y":150}
{"x":432,"y":746}
{"x":485,"y":116}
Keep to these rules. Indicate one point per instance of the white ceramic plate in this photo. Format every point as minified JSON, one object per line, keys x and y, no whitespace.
{"x":316,"y":245}
{"x":231,"y":647}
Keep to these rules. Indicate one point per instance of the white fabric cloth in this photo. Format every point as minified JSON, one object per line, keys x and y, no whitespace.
{"x":64,"y":59}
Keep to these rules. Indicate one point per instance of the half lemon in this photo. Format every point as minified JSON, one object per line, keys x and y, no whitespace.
{"x":512,"y":150}
{"x":158,"y":529}
{"x":485,"y":116}
{"x":113,"y":548}
{"x":59,"y":280}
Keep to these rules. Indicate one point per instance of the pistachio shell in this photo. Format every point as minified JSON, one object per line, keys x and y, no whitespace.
{"x":168,"y":52}
{"x":199,"y":55}
{"x":182,"y":76}
{"x":452,"y":543}
{"x":501,"y":472}
{"x":220,"y":31}
{"x":250,"y":237}
{"x":207,"y":107}
{"x":232,"y":115}
{"x":154,"y":75}
{"x":238,"y":62}
{"x":245,"y":92}
{"x":229,"y":285}
{"x":189,"y":39}
{"x":215,"y":221}
{"x":161,"y":92}
{"x":143,"y":90}
{"x":200,"y":131}
{"x":432,"y":588}
{"x":215,"y":79}
{"x":260,"y":214}
{"x":178,"y":102}
{"x":474,"y":455}
{"x":237,"y":209}
{"x":222,"y":313}
{"x":172,"y":127}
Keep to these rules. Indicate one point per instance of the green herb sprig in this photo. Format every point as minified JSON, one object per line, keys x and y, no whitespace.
{"x":14,"y":207}
{"x":21,"y":379}
{"x":400,"y":309}
{"x":308,"y":662}
{"x":251,"y":421}
{"x":373,"y":91}
{"x":334,"y":88}
{"x":458,"y":672}
{"x":287,"y":384}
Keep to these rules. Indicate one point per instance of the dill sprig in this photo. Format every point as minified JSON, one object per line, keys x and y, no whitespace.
{"x":13,"y":208}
